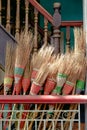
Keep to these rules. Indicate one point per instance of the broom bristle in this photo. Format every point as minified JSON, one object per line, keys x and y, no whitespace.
{"x":24,"y":48}
{"x":79,"y":37}
{"x":27,"y":70}
{"x":42,"y":74}
{"x":43,"y":54}
{"x":10,"y":59}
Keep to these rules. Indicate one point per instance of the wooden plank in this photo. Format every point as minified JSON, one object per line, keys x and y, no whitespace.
{"x":4,"y":38}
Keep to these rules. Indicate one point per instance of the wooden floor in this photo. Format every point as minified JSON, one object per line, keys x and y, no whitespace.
{"x":76,"y":126}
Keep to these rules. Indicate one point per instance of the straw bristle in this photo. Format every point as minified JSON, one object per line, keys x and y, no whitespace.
{"x":79,"y":36}
{"x":24,"y":48}
{"x":42,"y":74}
{"x":10,"y":59}
{"x":27,"y":70}
{"x":43,"y":55}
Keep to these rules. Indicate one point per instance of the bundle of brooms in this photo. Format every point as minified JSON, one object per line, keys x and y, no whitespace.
{"x":65,"y":68}
{"x":80,"y":84}
{"x":79,"y":59}
{"x":38,"y":61}
{"x":63,"y":73}
{"x":23,"y":51}
{"x":50,"y":83}
{"x":42,"y":55}
{"x":79,"y":54}
{"x":41,"y":76}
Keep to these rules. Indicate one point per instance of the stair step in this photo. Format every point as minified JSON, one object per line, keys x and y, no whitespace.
{"x":4,"y":38}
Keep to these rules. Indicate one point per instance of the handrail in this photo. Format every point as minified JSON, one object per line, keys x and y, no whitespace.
{"x":71,"y":23}
{"x":50,"y":18}
{"x":40,"y":99}
{"x":42,"y":10}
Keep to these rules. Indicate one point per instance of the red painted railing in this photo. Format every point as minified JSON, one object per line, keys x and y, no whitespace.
{"x":49,"y":17}
{"x":82,"y":99}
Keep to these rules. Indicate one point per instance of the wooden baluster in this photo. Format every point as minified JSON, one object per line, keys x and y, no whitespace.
{"x":45,"y":30}
{"x":68,"y":39}
{"x":8,"y":17}
{"x":0,"y":11}
{"x":26,"y":14}
{"x":35,"y":30}
{"x":56,"y":26}
{"x":17,"y":20}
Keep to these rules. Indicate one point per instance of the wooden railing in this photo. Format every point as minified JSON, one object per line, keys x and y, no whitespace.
{"x":55,"y":20}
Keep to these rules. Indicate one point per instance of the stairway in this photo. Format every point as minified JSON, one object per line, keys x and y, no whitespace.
{"x":4,"y":38}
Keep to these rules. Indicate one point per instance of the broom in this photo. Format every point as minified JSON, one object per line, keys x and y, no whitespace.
{"x":9,"y":71}
{"x":25,"y":85}
{"x":37,"y":85}
{"x":9,"y":67}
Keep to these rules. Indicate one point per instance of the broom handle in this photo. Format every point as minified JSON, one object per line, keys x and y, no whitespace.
{"x":40,"y":123}
{"x":12,"y":111}
{"x":56,"y":114}
{"x":71,"y":108}
{"x":66,"y":124}
{"x":72,"y":115}
{"x":12,"y":116}
{"x":61,"y":107}
{"x":34,"y":116}
{"x":24,"y":113}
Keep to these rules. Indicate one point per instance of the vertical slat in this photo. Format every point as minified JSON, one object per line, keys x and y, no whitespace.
{"x":0,"y":11}
{"x":26,"y":14}
{"x":35,"y":30}
{"x":56,"y":26}
{"x":8,"y":16}
{"x":45,"y":30}
{"x":17,"y":20}
{"x":68,"y":39}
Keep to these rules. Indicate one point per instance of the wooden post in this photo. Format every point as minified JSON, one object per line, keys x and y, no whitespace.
{"x":56,"y":26}
{"x":8,"y":17}
{"x":0,"y":11}
{"x":35,"y":30}
{"x":68,"y":39}
{"x":45,"y":30}
{"x":26,"y":14}
{"x":17,"y":20}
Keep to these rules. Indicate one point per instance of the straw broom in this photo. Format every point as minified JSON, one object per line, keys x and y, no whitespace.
{"x":37,"y":85}
{"x":25,"y":85}
{"x":9,"y":67}
{"x":9,"y":71}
